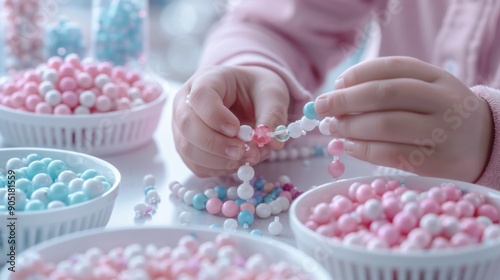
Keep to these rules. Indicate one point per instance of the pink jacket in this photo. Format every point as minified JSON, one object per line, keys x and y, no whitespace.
{"x":303,"y":39}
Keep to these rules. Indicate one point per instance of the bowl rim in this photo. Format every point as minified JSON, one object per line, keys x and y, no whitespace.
{"x":297,"y":226}
{"x":102,"y":162}
{"x":97,"y":232}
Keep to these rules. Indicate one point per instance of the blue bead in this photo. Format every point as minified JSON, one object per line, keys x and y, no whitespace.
{"x":25,"y":185}
{"x":3,"y":181}
{"x":239,"y":201}
{"x":41,"y":180}
{"x":3,"y":208}
{"x":318,"y":150}
{"x":245,"y":218}
{"x":46,"y":160}
{"x":36,"y":167}
{"x":107,"y":186}
{"x":32,"y":157}
{"x":259,"y":184}
{"x":89,"y":173}
{"x":259,"y":200}
{"x":147,"y":189}
{"x":20,"y":173}
{"x":58,"y":191}
{"x":257,"y":232}
{"x":268,"y":198}
{"x":56,"y":167}
{"x":77,"y":198}
{"x":101,"y":178}
{"x":215,"y":226}
{"x":309,"y":111}
{"x":34,"y":205}
{"x":200,"y":201}
{"x":221,"y":191}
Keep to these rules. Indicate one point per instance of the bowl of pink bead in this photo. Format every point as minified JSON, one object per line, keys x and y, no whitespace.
{"x":85,"y":106}
{"x":47,"y":193}
{"x":404,"y":227}
{"x":164,"y":253}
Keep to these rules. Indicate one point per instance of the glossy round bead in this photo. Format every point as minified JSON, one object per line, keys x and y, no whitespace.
{"x":188,"y":197}
{"x":66,"y":176}
{"x":245,"y":218}
{"x":336,"y":168}
{"x":451,"y":192}
{"x":489,"y":211}
{"x":221,"y":192}
{"x":149,"y":180}
{"x":55,"y":168}
{"x":262,"y":135}
{"x":41,"y":180}
{"x":246,"y":133}
{"x":210,"y":193}
{"x":185,"y":217}
{"x":53,"y":97}
{"x":336,"y":147}
{"x":92,"y":188}
{"x":310,"y":111}
{"x":388,"y":234}
{"x":460,"y":239}
{"x":465,"y":208}
{"x":55,"y":204}
{"x":437,"y":194}
{"x":245,"y":191}
{"x":230,"y":224}
{"x":307,"y":124}
{"x":41,"y":194}
{"x":152,"y":196}
{"x":491,"y":232}
{"x":285,"y":202}
{"x":200,"y":201}
{"x":214,"y":206}
{"x":232,"y":193}
{"x":87,"y":99}
{"x":58,"y":191}
{"x":263,"y":210}
{"x":275,"y":227}
{"x":372,"y":209}
{"x":431,"y":223}
{"x":230,"y":209}
{"x":347,"y":223}
{"x":77,"y":198}
{"x":294,"y":130}
{"x":281,"y":133}
{"x":324,"y":126}
{"x":34,"y":205}
{"x":275,"y":207}
{"x":246,"y":173}
{"x":429,"y":206}
{"x":364,"y":193}
{"x":405,"y":222}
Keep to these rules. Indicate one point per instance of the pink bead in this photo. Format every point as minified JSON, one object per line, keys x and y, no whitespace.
{"x":91,"y":69}
{"x":286,"y":194}
{"x":420,"y":236}
{"x":214,"y":206}
{"x":328,"y":230}
{"x":149,"y":95}
{"x":461,"y":239}
{"x":440,"y":243}
{"x":399,"y":191}
{"x":67,"y":84}
{"x":389,"y":194}
{"x":6,"y":101}
{"x":66,"y":70}
{"x":404,"y":222}
{"x":261,"y":135}
{"x":352,"y":189}
{"x":336,"y":147}
{"x":489,"y":211}
{"x":450,"y":208}
{"x":31,"y":102}
{"x":133,"y":77}
{"x":430,"y":205}
{"x":360,"y":210}
{"x":391,"y":207}
{"x":473,"y":198}
{"x":118,"y":73}
{"x":364,"y":193}
{"x":70,"y":99}
{"x":321,"y":214}
{"x":110,"y":90}
{"x":247,"y":206}
{"x":105,"y":68}
{"x":389,"y":234}
{"x":17,"y":100}
{"x":62,"y":109}
{"x":379,"y":186}
{"x":55,"y":62}
{"x":393,"y":184}
{"x":471,"y":227}
{"x":230,"y":209}
{"x":451,"y":192}
{"x":312,"y":225}
{"x":189,"y":242}
{"x":413,"y":208}
{"x":342,"y":204}
{"x":437,"y":194}
{"x":123,"y":104}
{"x":103,"y":104}
{"x":74,"y":60}
{"x":139,"y":85}
{"x":122,"y":90}
{"x":336,"y":168}
{"x":84,"y":80}
{"x":347,"y":223}
{"x":32,"y":76}
{"x":465,"y":208}
{"x":9,"y":88}
{"x":450,"y":226}
{"x":375,"y":225}
{"x":30,"y":88}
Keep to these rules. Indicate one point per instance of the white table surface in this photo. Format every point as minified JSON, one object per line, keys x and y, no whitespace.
{"x":160,"y":158}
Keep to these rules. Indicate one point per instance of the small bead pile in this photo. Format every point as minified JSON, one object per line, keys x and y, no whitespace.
{"x":387,"y":215}
{"x":71,"y":86}
{"x":190,"y":259}
{"x":63,"y":38}
{"x":151,"y":198}
{"x":119,"y":32}
{"x":23,"y":34}
{"x":45,"y":183}
{"x":254,"y":197}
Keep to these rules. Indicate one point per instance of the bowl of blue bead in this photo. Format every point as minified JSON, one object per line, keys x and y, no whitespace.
{"x":47,"y":193}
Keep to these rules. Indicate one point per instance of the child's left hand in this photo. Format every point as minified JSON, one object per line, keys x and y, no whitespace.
{"x":404,"y":113}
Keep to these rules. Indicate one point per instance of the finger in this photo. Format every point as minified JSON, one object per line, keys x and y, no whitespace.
{"x":390,"y":126}
{"x":388,"y":68}
{"x":210,"y":96}
{"x":395,"y":94}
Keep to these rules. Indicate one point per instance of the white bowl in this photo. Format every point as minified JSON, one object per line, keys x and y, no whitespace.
{"x":94,"y":134}
{"x":246,"y":244}
{"x":351,"y":263}
{"x":35,"y":227}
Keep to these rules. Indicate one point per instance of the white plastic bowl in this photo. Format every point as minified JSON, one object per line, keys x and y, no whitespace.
{"x":95,"y":134}
{"x":481,"y":262}
{"x":246,"y":244}
{"x":35,"y":227}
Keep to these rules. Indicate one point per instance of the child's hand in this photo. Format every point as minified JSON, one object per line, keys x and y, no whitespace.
{"x":407,"y":114}
{"x":220,"y":100}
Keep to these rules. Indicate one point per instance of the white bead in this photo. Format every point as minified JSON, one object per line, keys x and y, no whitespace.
{"x":132,"y":250}
{"x":305,"y":152}
{"x":14,"y":163}
{"x":275,"y":207}
{"x":431,"y":223}
{"x":307,"y":124}
{"x":137,"y":262}
{"x":180,"y":253}
{"x":263,"y":210}
{"x":172,"y":184}
{"x":181,"y":192}
{"x":188,"y":197}
{"x":87,"y":99}
{"x":245,"y":191}
{"x":153,"y":197}
{"x":294,"y":130}
{"x":83,"y":269}
{"x":149,"y":180}
{"x":209,"y":250}
{"x":451,"y":227}
{"x":150,"y":251}
{"x":283,"y":179}
{"x":101,"y":80}
{"x":409,"y":196}
{"x":376,"y":244}
{"x":372,"y":209}
{"x":53,"y":97}
{"x":324,"y":126}
{"x":66,"y":176}
{"x":484,"y":220}
{"x":230,"y":224}
{"x":232,"y":193}
{"x":80,"y":110}
{"x":55,"y":204}
{"x":282,"y":155}
{"x":138,"y":102}
{"x":45,"y":87}
{"x":211,"y":193}
{"x":275,"y":227}
{"x":133,"y":93}
{"x":256,"y":263}
{"x":492,"y":232}
{"x":245,"y":133}
{"x":185,"y":217}
{"x":353,"y":239}
{"x":246,"y":173}
{"x":293,"y":153}
{"x":423,"y":196}
{"x":285,"y":203}
{"x":75,"y":185}
{"x":50,"y":75}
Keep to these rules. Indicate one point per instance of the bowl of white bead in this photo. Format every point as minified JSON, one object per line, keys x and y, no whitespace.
{"x":47,"y":193}
{"x":85,"y":106}
{"x":168,"y":252}
{"x":402,"y":227}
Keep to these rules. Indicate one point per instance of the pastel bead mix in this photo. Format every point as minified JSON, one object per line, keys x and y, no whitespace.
{"x":385,"y":215}
{"x":151,"y":198}
{"x":71,"y":86}
{"x":64,"y":37}
{"x":46,"y":183}
{"x":190,"y":259}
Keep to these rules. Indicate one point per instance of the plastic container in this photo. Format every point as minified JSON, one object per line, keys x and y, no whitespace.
{"x":350,"y":263}
{"x":34,"y":227}
{"x":120,"y":32}
{"x":62,"y":248}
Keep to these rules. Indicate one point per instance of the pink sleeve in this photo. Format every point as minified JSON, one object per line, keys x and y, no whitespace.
{"x":298,"y":39}
{"x":491,"y":176}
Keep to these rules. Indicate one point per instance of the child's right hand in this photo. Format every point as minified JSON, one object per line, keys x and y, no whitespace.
{"x":221,"y":99}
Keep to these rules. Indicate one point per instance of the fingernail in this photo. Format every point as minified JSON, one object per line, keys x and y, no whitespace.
{"x":321,"y":105}
{"x":348,"y":146}
{"x":339,"y":83}
{"x":228,"y":129}
{"x":334,"y":126}
{"x":233,"y":152}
